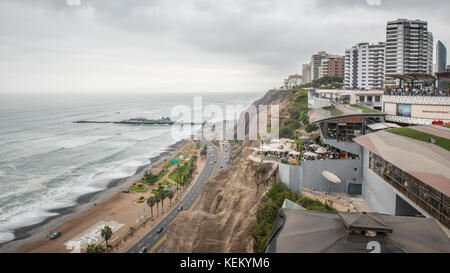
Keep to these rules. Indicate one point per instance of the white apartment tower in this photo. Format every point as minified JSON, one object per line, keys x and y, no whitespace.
{"x":409,"y":48}
{"x":364,"y":66}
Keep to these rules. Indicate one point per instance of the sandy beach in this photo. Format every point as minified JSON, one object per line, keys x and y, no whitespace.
{"x":109,"y":206}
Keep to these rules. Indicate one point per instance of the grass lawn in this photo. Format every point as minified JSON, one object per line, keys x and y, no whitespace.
{"x":139,"y":188}
{"x":151,"y":179}
{"x":414,"y":134}
{"x":365,"y":109}
{"x":166,"y":182}
{"x":334,"y":111}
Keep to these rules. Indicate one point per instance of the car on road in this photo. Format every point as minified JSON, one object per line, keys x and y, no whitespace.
{"x":126,"y":191}
{"x":55,"y":235}
{"x":180,"y":208}
{"x":159,"y":230}
{"x":144,"y":250}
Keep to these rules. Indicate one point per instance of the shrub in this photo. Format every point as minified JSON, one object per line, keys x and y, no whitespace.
{"x":268,"y":212}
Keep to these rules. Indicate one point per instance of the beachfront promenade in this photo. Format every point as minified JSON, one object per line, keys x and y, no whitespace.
{"x":152,"y":241}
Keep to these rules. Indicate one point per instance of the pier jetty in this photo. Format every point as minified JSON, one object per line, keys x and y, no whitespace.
{"x":143,"y":121}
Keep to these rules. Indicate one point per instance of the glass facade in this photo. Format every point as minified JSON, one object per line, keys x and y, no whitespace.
{"x":404,"y":110}
{"x":343,"y":132}
{"x":428,"y":198}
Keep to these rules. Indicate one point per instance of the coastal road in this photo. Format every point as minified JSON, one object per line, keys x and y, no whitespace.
{"x":153,"y":241}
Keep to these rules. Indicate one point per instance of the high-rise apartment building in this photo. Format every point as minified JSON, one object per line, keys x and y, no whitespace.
{"x":364,"y":66}
{"x":332,"y":65}
{"x":409,"y":48}
{"x":336,"y":66}
{"x":316,"y":63}
{"x":441,"y":62}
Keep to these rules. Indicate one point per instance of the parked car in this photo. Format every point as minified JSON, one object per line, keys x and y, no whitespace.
{"x":55,"y":235}
{"x":159,"y":230}
{"x":180,"y":208}
{"x":126,"y":191}
{"x":144,"y":250}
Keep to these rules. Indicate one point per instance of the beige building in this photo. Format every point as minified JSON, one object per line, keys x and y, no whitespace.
{"x":421,"y":110}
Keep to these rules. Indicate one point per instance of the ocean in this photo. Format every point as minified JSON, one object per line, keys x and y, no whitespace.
{"x":47,"y":162}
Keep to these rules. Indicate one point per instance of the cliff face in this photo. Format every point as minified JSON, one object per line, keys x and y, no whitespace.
{"x":229,"y":202}
{"x":227,"y":210}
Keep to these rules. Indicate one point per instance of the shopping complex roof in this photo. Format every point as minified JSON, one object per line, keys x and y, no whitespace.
{"x":413,"y":152}
{"x":382,"y":126}
{"x":443,"y":76}
{"x":413,"y":77}
{"x":440,"y":76}
{"x":309,"y":231}
{"x":339,"y":111}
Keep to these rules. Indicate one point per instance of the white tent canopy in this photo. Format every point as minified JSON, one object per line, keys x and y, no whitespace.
{"x":311,"y":154}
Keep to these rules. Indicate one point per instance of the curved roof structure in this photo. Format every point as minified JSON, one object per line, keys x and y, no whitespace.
{"x":341,"y":111}
{"x":426,"y":161}
{"x":443,"y":76}
{"x":309,"y":231}
{"x":413,"y":77}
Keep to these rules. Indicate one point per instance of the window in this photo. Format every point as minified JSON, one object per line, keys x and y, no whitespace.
{"x":404,"y":110}
{"x":423,"y":195}
{"x":377,"y":98}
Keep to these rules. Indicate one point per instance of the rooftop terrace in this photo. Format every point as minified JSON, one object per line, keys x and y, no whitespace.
{"x":341,"y":110}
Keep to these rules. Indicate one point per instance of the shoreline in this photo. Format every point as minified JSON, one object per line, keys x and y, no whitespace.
{"x":27,"y":235}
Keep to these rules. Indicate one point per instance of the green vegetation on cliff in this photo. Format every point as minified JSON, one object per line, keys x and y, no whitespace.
{"x":297,"y":112}
{"x":268,"y":211}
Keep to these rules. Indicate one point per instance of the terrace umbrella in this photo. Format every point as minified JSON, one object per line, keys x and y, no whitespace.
{"x":331,"y":177}
{"x":311,"y":154}
{"x":321,"y":150}
{"x":300,"y":231}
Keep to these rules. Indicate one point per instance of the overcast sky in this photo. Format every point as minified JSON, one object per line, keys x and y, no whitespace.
{"x":183,"y":45}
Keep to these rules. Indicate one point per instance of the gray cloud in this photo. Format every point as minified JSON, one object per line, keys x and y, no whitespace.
{"x":251,"y":44}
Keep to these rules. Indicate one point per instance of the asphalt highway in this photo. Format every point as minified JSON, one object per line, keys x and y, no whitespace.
{"x":153,"y":241}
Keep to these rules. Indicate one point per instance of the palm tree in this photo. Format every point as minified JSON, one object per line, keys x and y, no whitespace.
{"x":94,"y":248}
{"x":182,"y":180}
{"x":157,"y":199}
{"x":162,"y":195}
{"x":106,"y":234}
{"x":151,"y":202}
{"x":170,"y":194}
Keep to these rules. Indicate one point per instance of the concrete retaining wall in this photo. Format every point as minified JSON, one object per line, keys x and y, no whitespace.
{"x":309,"y":175}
